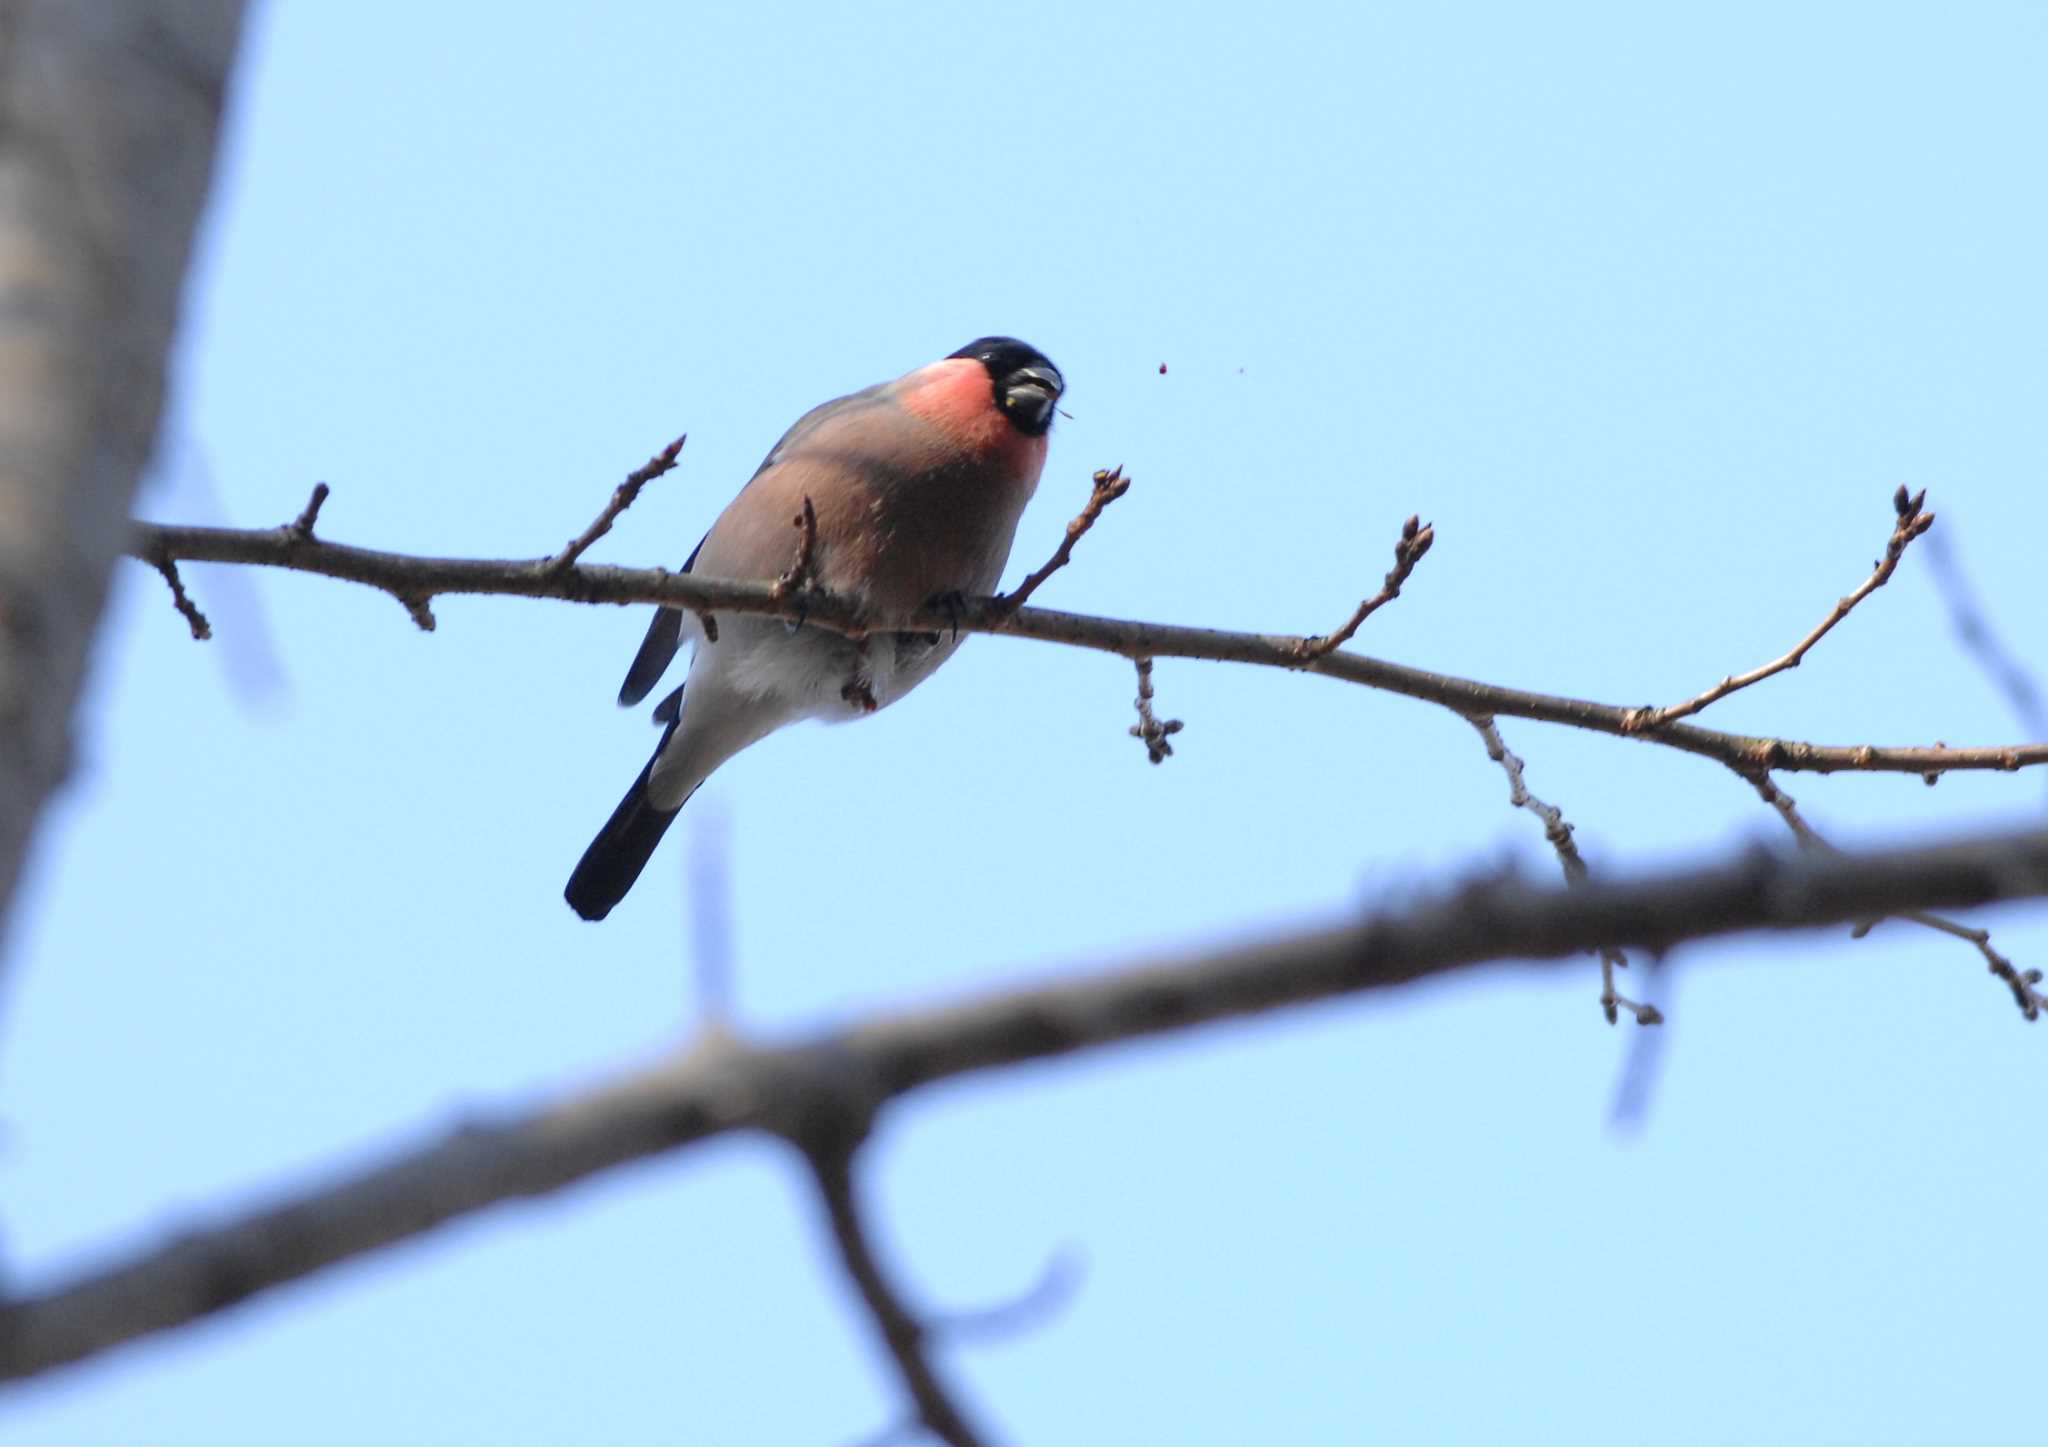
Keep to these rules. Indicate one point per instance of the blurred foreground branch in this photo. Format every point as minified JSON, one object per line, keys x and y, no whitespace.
{"x":722,"y":1084}
{"x":108,"y":113}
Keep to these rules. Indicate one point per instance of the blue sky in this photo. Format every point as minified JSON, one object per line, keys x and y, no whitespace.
{"x":1649,"y":312}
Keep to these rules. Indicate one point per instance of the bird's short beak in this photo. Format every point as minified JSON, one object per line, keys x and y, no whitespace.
{"x":1028,"y":395}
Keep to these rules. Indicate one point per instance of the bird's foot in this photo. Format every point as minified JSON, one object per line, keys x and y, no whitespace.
{"x":952,"y":603}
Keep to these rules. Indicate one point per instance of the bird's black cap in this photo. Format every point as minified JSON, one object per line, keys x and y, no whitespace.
{"x":1027,"y":383}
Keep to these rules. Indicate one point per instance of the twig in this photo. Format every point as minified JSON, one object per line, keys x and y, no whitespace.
{"x":801,"y":575}
{"x":2030,"y":1000}
{"x":1104,"y":488}
{"x":1559,"y":833}
{"x":622,"y":498}
{"x":300,"y":528}
{"x":1416,"y":536}
{"x":180,"y":599}
{"x":739,"y":1086}
{"x":903,"y":1335}
{"x":419,"y":607}
{"x":403,"y":575}
{"x":1788,"y":809}
{"x":2021,"y":982}
{"x":1149,"y":728}
{"x":1911,"y":523}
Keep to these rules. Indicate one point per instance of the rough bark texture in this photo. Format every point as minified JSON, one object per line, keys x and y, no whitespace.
{"x":108,"y":114}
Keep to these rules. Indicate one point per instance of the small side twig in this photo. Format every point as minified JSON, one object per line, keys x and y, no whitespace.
{"x":1105,"y":488}
{"x":300,"y":528}
{"x":622,"y":498}
{"x":2024,"y":984}
{"x":181,"y":600}
{"x":800,"y":576}
{"x":1416,"y":536}
{"x":419,"y":607}
{"x":1910,"y":523}
{"x":1150,"y":728}
{"x":2030,"y":1000}
{"x":1559,"y":833}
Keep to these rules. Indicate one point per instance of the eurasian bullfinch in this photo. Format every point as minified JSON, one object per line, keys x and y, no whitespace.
{"x":917,"y":485}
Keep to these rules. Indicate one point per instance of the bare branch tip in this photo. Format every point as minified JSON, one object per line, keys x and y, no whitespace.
{"x":1912,"y":523}
{"x":623,"y":497}
{"x":1104,"y":487}
{"x":1416,"y":536}
{"x":300,"y":528}
{"x":181,"y":600}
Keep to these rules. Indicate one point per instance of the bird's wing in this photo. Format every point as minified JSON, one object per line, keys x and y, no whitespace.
{"x":657,"y":649}
{"x":665,"y":633}
{"x":824,"y":412}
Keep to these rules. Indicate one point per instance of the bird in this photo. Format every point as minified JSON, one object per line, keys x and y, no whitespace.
{"x":913,"y":489}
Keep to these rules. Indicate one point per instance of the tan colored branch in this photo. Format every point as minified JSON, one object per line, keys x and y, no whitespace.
{"x":1911,"y":523}
{"x":725,"y":1085}
{"x":415,"y":580}
{"x":1105,"y":488}
{"x":1558,"y":832}
{"x":2024,"y":984}
{"x":1416,"y":536}
{"x":623,"y":496}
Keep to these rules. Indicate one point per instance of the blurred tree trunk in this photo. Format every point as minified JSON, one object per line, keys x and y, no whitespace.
{"x":108,"y":115}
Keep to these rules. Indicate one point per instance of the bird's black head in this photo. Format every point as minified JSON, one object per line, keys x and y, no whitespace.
{"x":1027,"y":384}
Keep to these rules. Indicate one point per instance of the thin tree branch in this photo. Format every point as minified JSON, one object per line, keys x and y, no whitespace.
{"x":182,"y":601}
{"x":2022,"y":983}
{"x":1106,"y":487}
{"x":413,"y":580}
{"x":723,"y":1085}
{"x":1911,"y":523}
{"x":623,"y":497}
{"x":1416,"y":536}
{"x":1559,"y":833}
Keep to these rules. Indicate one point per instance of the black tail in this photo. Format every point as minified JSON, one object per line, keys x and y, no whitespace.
{"x":620,"y":851}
